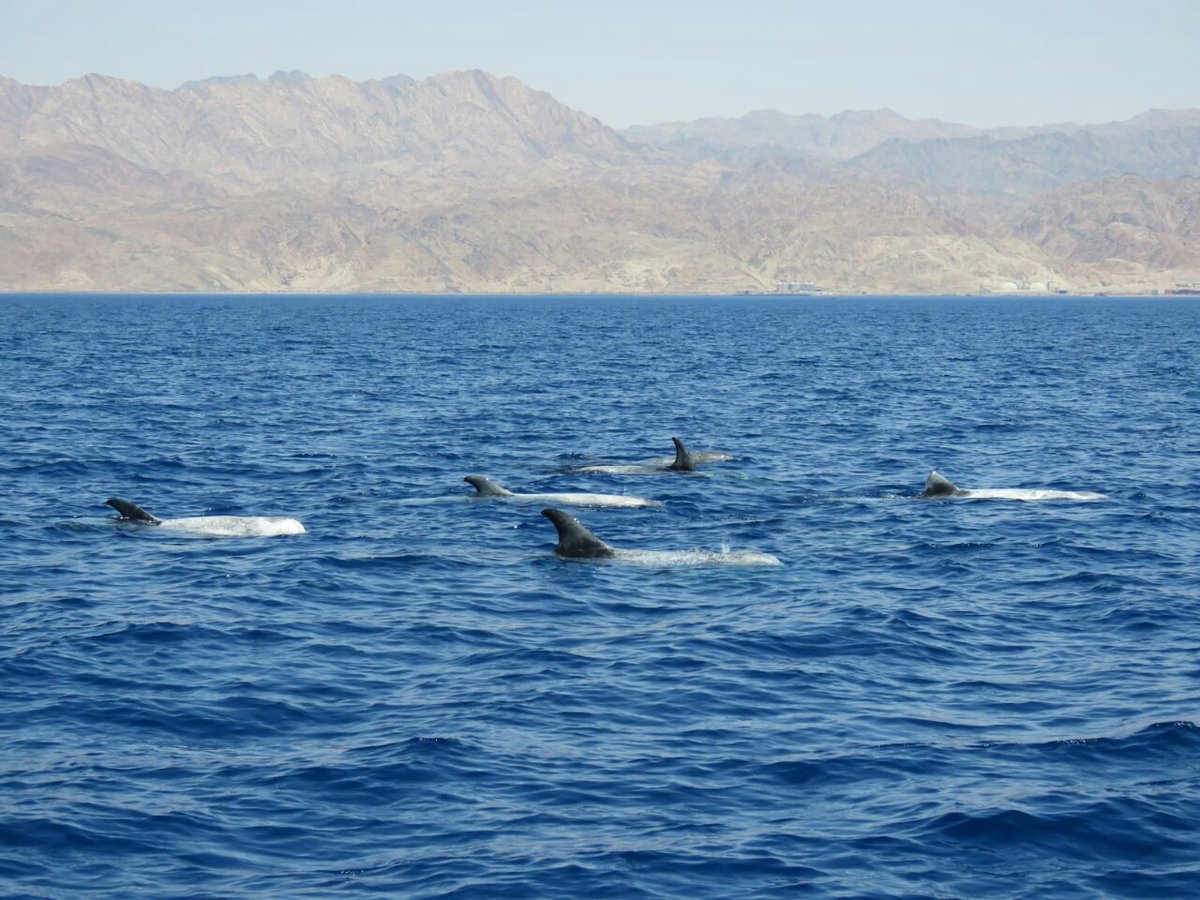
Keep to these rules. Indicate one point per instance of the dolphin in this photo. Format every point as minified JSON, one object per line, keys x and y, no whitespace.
{"x":683,"y":461}
{"x":937,"y":486}
{"x":219,"y":526}
{"x":488,"y":488}
{"x":575,"y":541}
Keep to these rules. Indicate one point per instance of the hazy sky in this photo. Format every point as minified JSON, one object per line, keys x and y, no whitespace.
{"x":981,"y":63}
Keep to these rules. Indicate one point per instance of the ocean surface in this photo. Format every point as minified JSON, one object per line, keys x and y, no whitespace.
{"x":417,"y":698}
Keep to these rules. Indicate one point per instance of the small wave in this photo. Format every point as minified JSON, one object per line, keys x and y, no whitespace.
{"x":1072,"y":827}
{"x":1157,"y":741}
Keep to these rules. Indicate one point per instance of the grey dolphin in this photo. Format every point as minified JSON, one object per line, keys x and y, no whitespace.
{"x":132,"y":511}
{"x":937,"y":486}
{"x":683,"y":461}
{"x":575,"y":541}
{"x":217,"y":526}
{"x":488,"y":488}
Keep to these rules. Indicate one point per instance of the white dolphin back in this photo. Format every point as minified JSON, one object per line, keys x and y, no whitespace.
{"x":694,"y":557}
{"x":1030,"y":494}
{"x":235,"y":526}
{"x":938,"y":486}
{"x":489,"y":488}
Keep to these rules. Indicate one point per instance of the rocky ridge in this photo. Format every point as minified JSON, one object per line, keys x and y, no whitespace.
{"x":467,"y":182}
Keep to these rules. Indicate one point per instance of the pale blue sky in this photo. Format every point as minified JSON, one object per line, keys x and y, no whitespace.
{"x":994,"y":63}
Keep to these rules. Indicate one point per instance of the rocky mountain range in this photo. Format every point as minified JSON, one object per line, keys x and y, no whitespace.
{"x":467,"y":182}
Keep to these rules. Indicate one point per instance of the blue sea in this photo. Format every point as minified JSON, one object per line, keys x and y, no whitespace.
{"x":417,"y":698}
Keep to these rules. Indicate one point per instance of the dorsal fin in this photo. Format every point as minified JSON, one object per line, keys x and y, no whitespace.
{"x":683,"y":459}
{"x":937,"y":485}
{"x":132,"y":511}
{"x":486,"y":487}
{"x":574,"y":540}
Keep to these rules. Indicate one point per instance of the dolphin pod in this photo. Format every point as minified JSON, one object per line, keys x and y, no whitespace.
{"x":575,"y":541}
{"x":937,"y":486}
{"x":488,"y":488}
{"x":217,"y":526}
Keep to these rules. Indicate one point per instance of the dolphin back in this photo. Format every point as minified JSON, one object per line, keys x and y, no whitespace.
{"x":574,"y":539}
{"x":486,"y":487}
{"x":132,"y":511}
{"x":937,"y":485}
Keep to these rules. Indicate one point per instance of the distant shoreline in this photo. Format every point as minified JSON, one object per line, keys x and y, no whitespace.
{"x":824,"y":295}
